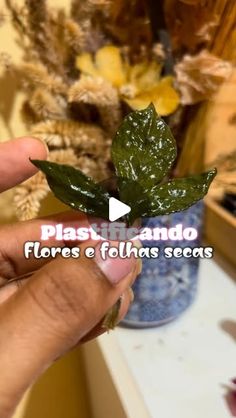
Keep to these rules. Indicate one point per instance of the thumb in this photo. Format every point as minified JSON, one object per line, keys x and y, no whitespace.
{"x":51,"y":313}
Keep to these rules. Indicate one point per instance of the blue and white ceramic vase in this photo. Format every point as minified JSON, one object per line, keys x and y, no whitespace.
{"x":166,"y":287}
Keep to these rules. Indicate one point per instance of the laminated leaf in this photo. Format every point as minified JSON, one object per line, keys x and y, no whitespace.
{"x":143,"y":149}
{"x":143,"y":153}
{"x":178,"y":194}
{"x":110,"y":66}
{"x":111,"y":319}
{"x":75,"y":189}
{"x":173,"y":196}
{"x":163,"y":96}
{"x":133,"y":195}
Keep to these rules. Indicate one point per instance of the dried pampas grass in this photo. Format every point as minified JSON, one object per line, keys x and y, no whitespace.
{"x":42,"y":37}
{"x":47,"y":106}
{"x":74,"y":35}
{"x":29,"y":195}
{"x":97,"y":169}
{"x":37,"y":75}
{"x":18,"y":15}
{"x":90,"y":144}
{"x":77,"y":112}
{"x":68,"y":133}
{"x":199,"y":76}
{"x":225,"y":181}
{"x":95,"y":91}
{"x":100,"y":93}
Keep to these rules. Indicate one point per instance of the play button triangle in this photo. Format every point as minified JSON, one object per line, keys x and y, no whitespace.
{"x":117,"y":209}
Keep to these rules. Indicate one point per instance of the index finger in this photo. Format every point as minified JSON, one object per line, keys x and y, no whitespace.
{"x":15,"y":166}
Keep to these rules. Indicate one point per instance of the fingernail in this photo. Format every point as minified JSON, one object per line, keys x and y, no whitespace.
{"x":138,"y":245}
{"x":131,"y":294}
{"x":140,"y":266}
{"x":115,"y":269}
{"x":44,"y":143}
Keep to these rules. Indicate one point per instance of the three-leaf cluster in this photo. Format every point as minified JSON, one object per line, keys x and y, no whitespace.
{"x":143,"y":152}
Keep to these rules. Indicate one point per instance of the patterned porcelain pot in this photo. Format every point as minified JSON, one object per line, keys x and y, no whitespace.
{"x":166,"y":287}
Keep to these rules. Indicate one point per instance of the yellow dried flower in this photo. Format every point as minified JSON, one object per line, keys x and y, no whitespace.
{"x":162,"y":95}
{"x":110,"y":66}
{"x":138,"y":85}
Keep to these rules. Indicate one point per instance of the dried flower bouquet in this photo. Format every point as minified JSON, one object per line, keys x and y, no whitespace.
{"x":83,"y":71}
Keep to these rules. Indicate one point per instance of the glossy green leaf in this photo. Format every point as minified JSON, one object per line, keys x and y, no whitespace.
{"x":143,"y":152}
{"x":133,"y":195}
{"x":177,"y":195}
{"x":112,"y":317}
{"x":143,"y":149}
{"x":75,"y":189}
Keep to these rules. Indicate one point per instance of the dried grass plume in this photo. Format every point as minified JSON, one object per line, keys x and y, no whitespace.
{"x":199,"y":76}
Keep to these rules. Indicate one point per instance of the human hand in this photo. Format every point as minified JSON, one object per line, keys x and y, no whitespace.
{"x":60,"y":305}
